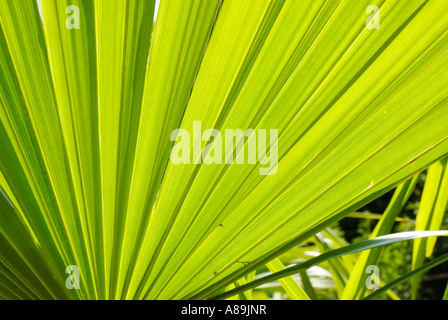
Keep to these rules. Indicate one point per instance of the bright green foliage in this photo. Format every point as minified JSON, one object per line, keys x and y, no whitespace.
{"x":291,"y":287}
{"x":353,"y":290}
{"x":430,"y":216}
{"x":86,"y":116}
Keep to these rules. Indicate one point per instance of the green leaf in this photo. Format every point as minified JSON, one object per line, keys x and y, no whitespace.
{"x":355,"y":287}
{"x":357,"y":247}
{"x":87,"y":117}
{"x":430,"y":216}
{"x":294,"y":291}
{"x":172,"y":70}
{"x":408,"y":276}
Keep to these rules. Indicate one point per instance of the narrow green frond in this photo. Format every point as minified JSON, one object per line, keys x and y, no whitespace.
{"x":357,"y":247}
{"x":408,"y":276}
{"x":355,"y":287}
{"x":430,"y":216}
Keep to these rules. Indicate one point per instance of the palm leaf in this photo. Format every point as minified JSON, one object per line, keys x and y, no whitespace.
{"x":87,"y":117}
